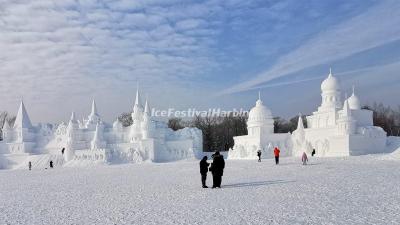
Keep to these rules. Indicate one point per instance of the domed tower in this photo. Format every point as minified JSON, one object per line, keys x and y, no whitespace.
{"x":330,"y":88}
{"x":354,"y":101}
{"x":260,"y":120}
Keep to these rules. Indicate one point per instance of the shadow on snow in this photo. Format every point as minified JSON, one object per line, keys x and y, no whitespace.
{"x":256,"y":184}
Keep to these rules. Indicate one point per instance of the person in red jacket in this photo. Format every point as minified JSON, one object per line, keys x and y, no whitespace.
{"x":276,"y":153}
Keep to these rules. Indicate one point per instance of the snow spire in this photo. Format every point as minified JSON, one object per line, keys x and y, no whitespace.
{"x":22,"y":120}
{"x":96,"y":133}
{"x":146,"y":107}
{"x":137,"y":108}
{"x":330,"y":71}
{"x":94,"y":108}
{"x":137,"y":99}
{"x":346,"y":108}
{"x":6,"y":125}
{"x":259,"y":95}
{"x":73,"y":117}
{"x":300,"y":124}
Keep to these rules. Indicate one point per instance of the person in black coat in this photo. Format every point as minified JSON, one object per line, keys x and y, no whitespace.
{"x":51,"y":164}
{"x":203,"y":170}
{"x":217,"y":169}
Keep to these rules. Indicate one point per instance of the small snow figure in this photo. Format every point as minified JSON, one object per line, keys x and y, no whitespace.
{"x":62,"y":151}
{"x":259,"y":155}
{"x":217,"y":169}
{"x":313,"y":152}
{"x":30,"y":165}
{"x":304,"y":158}
{"x":276,"y":153}
{"x":203,"y":171}
{"x":51,"y":164}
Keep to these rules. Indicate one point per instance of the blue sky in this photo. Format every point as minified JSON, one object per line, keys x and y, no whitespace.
{"x":58,"y":55}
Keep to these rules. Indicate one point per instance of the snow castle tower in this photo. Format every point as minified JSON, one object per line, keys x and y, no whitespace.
{"x":21,"y":137}
{"x":261,"y":136}
{"x":137,"y":117}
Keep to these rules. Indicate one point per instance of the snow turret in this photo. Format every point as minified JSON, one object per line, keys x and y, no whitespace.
{"x":6,"y":126}
{"x":300,"y":144}
{"x":6,"y":131}
{"x":354,"y":102}
{"x":22,"y":120}
{"x":137,"y":117}
{"x":146,"y":114}
{"x":93,"y":117}
{"x":299,"y":132}
{"x":137,"y":108}
{"x":73,"y":123}
{"x":117,"y":125}
{"x":71,"y":138}
{"x":330,"y":88}
{"x":346,"y":123}
{"x":147,"y":124}
{"x":97,"y":141}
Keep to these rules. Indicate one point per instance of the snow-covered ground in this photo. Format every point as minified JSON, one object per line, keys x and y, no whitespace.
{"x":356,"y":190}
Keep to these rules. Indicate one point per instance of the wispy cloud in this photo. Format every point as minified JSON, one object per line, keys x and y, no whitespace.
{"x":375,"y":27}
{"x":63,"y":51}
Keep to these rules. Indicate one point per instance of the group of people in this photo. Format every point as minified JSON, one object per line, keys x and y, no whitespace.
{"x":216,"y":169}
{"x":218,"y":165}
{"x":276,"y":154}
{"x":30,"y":164}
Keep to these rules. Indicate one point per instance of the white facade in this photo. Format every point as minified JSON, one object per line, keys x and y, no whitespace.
{"x":261,"y":136}
{"x":93,"y":140}
{"x":339,"y":128}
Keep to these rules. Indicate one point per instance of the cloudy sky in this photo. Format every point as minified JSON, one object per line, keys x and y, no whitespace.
{"x":58,"y":55}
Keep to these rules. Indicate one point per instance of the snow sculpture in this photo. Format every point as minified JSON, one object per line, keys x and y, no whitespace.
{"x":337,"y":129}
{"x":92,"y":140}
{"x":260,"y":127}
{"x":300,"y":144}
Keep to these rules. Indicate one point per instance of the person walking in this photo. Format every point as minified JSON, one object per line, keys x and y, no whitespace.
{"x":62,"y":151}
{"x":259,"y":155}
{"x":30,"y":165}
{"x":217,"y":169}
{"x":203,"y":171}
{"x":276,"y":154}
{"x":313,"y":152}
{"x":51,"y":164}
{"x":304,"y":159}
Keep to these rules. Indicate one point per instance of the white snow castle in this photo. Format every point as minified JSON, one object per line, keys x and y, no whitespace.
{"x":93,"y":140}
{"x":339,"y":128}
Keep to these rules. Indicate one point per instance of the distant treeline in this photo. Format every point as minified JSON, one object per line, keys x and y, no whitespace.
{"x":4,"y":116}
{"x":386,"y":117}
{"x":218,"y":132}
